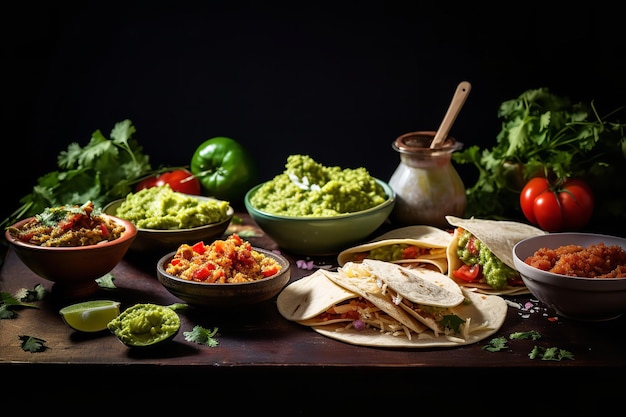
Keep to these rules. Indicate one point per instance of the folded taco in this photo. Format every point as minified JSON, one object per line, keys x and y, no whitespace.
{"x":480,"y":255}
{"x":428,"y":296}
{"x":317,"y":300}
{"x":419,"y":245}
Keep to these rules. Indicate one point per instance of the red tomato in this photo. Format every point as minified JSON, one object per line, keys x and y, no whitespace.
{"x":180,"y":180}
{"x":468,"y":273}
{"x":557,"y":207}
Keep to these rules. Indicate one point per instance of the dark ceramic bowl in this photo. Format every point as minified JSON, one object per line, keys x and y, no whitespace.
{"x":587,"y":299}
{"x":74,"y":269}
{"x":209,"y":295}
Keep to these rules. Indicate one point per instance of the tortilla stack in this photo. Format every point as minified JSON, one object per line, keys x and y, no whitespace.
{"x":426,"y":245}
{"x":499,"y":237}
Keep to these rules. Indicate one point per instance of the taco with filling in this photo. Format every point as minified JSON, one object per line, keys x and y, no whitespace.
{"x":428,"y":296}
{"x":316,"y":300}
{"x":480,"y":255}
{"x":411,"y":246}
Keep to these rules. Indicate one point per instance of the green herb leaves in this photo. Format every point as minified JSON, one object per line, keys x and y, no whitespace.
{"x":538,"y":352}
{"x":545,"y":134}
{"x":202,"y":336}
{"x":101,"y":171}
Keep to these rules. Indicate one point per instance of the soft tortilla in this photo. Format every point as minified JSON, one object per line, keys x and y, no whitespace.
{"x":499,"y":236}
{"x":309,"y":296}
{"x":486,"y":312}
{"x":423,"y":236}
{"x":421,"y":287}
{"x":418,"y":285}
{"x":368,"y":288}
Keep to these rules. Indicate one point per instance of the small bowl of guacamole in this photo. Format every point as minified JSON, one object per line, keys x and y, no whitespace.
{"x":165,"y":219}
{"x":312,"y":209}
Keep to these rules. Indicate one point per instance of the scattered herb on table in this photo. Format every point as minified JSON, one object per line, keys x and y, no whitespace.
{"x":550,"y":354}
{"x":23,"y":298}
{"x":496,"y":344}
{"x":546,"y":134}
{"x":538,"y":352}
{"x":106,"y":281}
{"x":533,"y":334}
{"x":202,"y":336}
{"x":32,"y":344}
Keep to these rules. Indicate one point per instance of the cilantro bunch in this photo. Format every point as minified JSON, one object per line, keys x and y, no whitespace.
{"x":546,"y":134}
{"x":102,"y":171}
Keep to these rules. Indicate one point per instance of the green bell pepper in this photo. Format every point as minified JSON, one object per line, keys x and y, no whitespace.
{"x":225,"y":169}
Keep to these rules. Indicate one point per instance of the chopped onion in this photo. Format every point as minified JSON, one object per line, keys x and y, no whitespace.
{"x":358,"y":324}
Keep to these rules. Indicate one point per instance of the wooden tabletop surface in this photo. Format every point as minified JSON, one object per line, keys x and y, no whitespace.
{"x":260,"y":339}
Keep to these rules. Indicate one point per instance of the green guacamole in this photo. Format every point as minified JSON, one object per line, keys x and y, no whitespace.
{"x":162,"y":208}
{"x":495,"y":272}
{"x":307,"y":188}
{"x":145,"y":324}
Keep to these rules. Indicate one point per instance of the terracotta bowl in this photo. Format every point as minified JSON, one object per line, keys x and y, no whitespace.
{"x":225,"y":295}
{"x":163,"y":241}
{"x":74,"y":269}
{"x":585,"y":299}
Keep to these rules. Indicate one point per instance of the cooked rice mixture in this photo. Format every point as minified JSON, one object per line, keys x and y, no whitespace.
{"x":69,"y":226}
{"x":224,"y":261}
{"x":595,"y":261}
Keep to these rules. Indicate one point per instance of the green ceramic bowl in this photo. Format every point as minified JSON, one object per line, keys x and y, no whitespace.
{"x":318,"y":236}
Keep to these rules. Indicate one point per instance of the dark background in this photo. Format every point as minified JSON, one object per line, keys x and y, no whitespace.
{"x":338,"y":82}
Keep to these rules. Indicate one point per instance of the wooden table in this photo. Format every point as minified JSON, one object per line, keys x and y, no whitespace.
{"x":259,"y":344}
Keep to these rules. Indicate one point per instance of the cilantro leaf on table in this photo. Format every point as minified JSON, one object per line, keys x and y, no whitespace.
{"x":532,"y":334}
{"x":106,"y":281}
{"x":23,"y":298}
{"x":496,"y":344}
{"x":32,"y":344}
{"x":202,"y":336}
{"x":550,"y":354}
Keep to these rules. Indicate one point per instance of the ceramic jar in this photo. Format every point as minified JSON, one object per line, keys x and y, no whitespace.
{"x":427,"y":185}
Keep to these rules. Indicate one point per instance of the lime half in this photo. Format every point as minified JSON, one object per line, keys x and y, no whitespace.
{"x":90,"y":316}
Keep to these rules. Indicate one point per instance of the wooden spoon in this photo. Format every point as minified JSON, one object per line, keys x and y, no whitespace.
{"x":460,"y":95}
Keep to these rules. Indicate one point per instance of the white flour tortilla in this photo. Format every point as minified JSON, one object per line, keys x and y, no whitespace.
{"x":499,"y":237}
{"x":487,"y":313}
{"x":423,"y":236}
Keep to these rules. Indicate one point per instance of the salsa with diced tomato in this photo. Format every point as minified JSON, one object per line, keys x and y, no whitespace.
{"x":232,"y":260}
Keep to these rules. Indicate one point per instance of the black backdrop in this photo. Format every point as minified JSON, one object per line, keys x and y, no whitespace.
{"x":338,"y":82}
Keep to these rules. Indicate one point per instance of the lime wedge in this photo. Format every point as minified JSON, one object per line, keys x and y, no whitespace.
{"x":90,"y":316}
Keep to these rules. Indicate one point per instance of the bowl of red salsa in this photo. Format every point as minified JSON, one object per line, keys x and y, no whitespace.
{"x":227,"y":272}
{"x":581,"y":276}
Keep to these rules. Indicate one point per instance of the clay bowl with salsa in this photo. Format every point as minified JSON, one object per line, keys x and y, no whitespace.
{"x":74,"y":268}
{"x":319,"y":235}
{"x":577,"y":289}
{"x":227,"y":273}
{"x":165,"y":238}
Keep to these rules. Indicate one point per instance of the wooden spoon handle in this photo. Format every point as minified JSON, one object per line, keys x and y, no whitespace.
{"x":460,"y":95}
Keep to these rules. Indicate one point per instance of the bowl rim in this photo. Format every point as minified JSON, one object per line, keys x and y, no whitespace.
{"x":230,"y":213}
{"x":553,"y":275}
{"x":128,"y":235}
{"x":281,"y":258}
{"x":391,"y":198}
